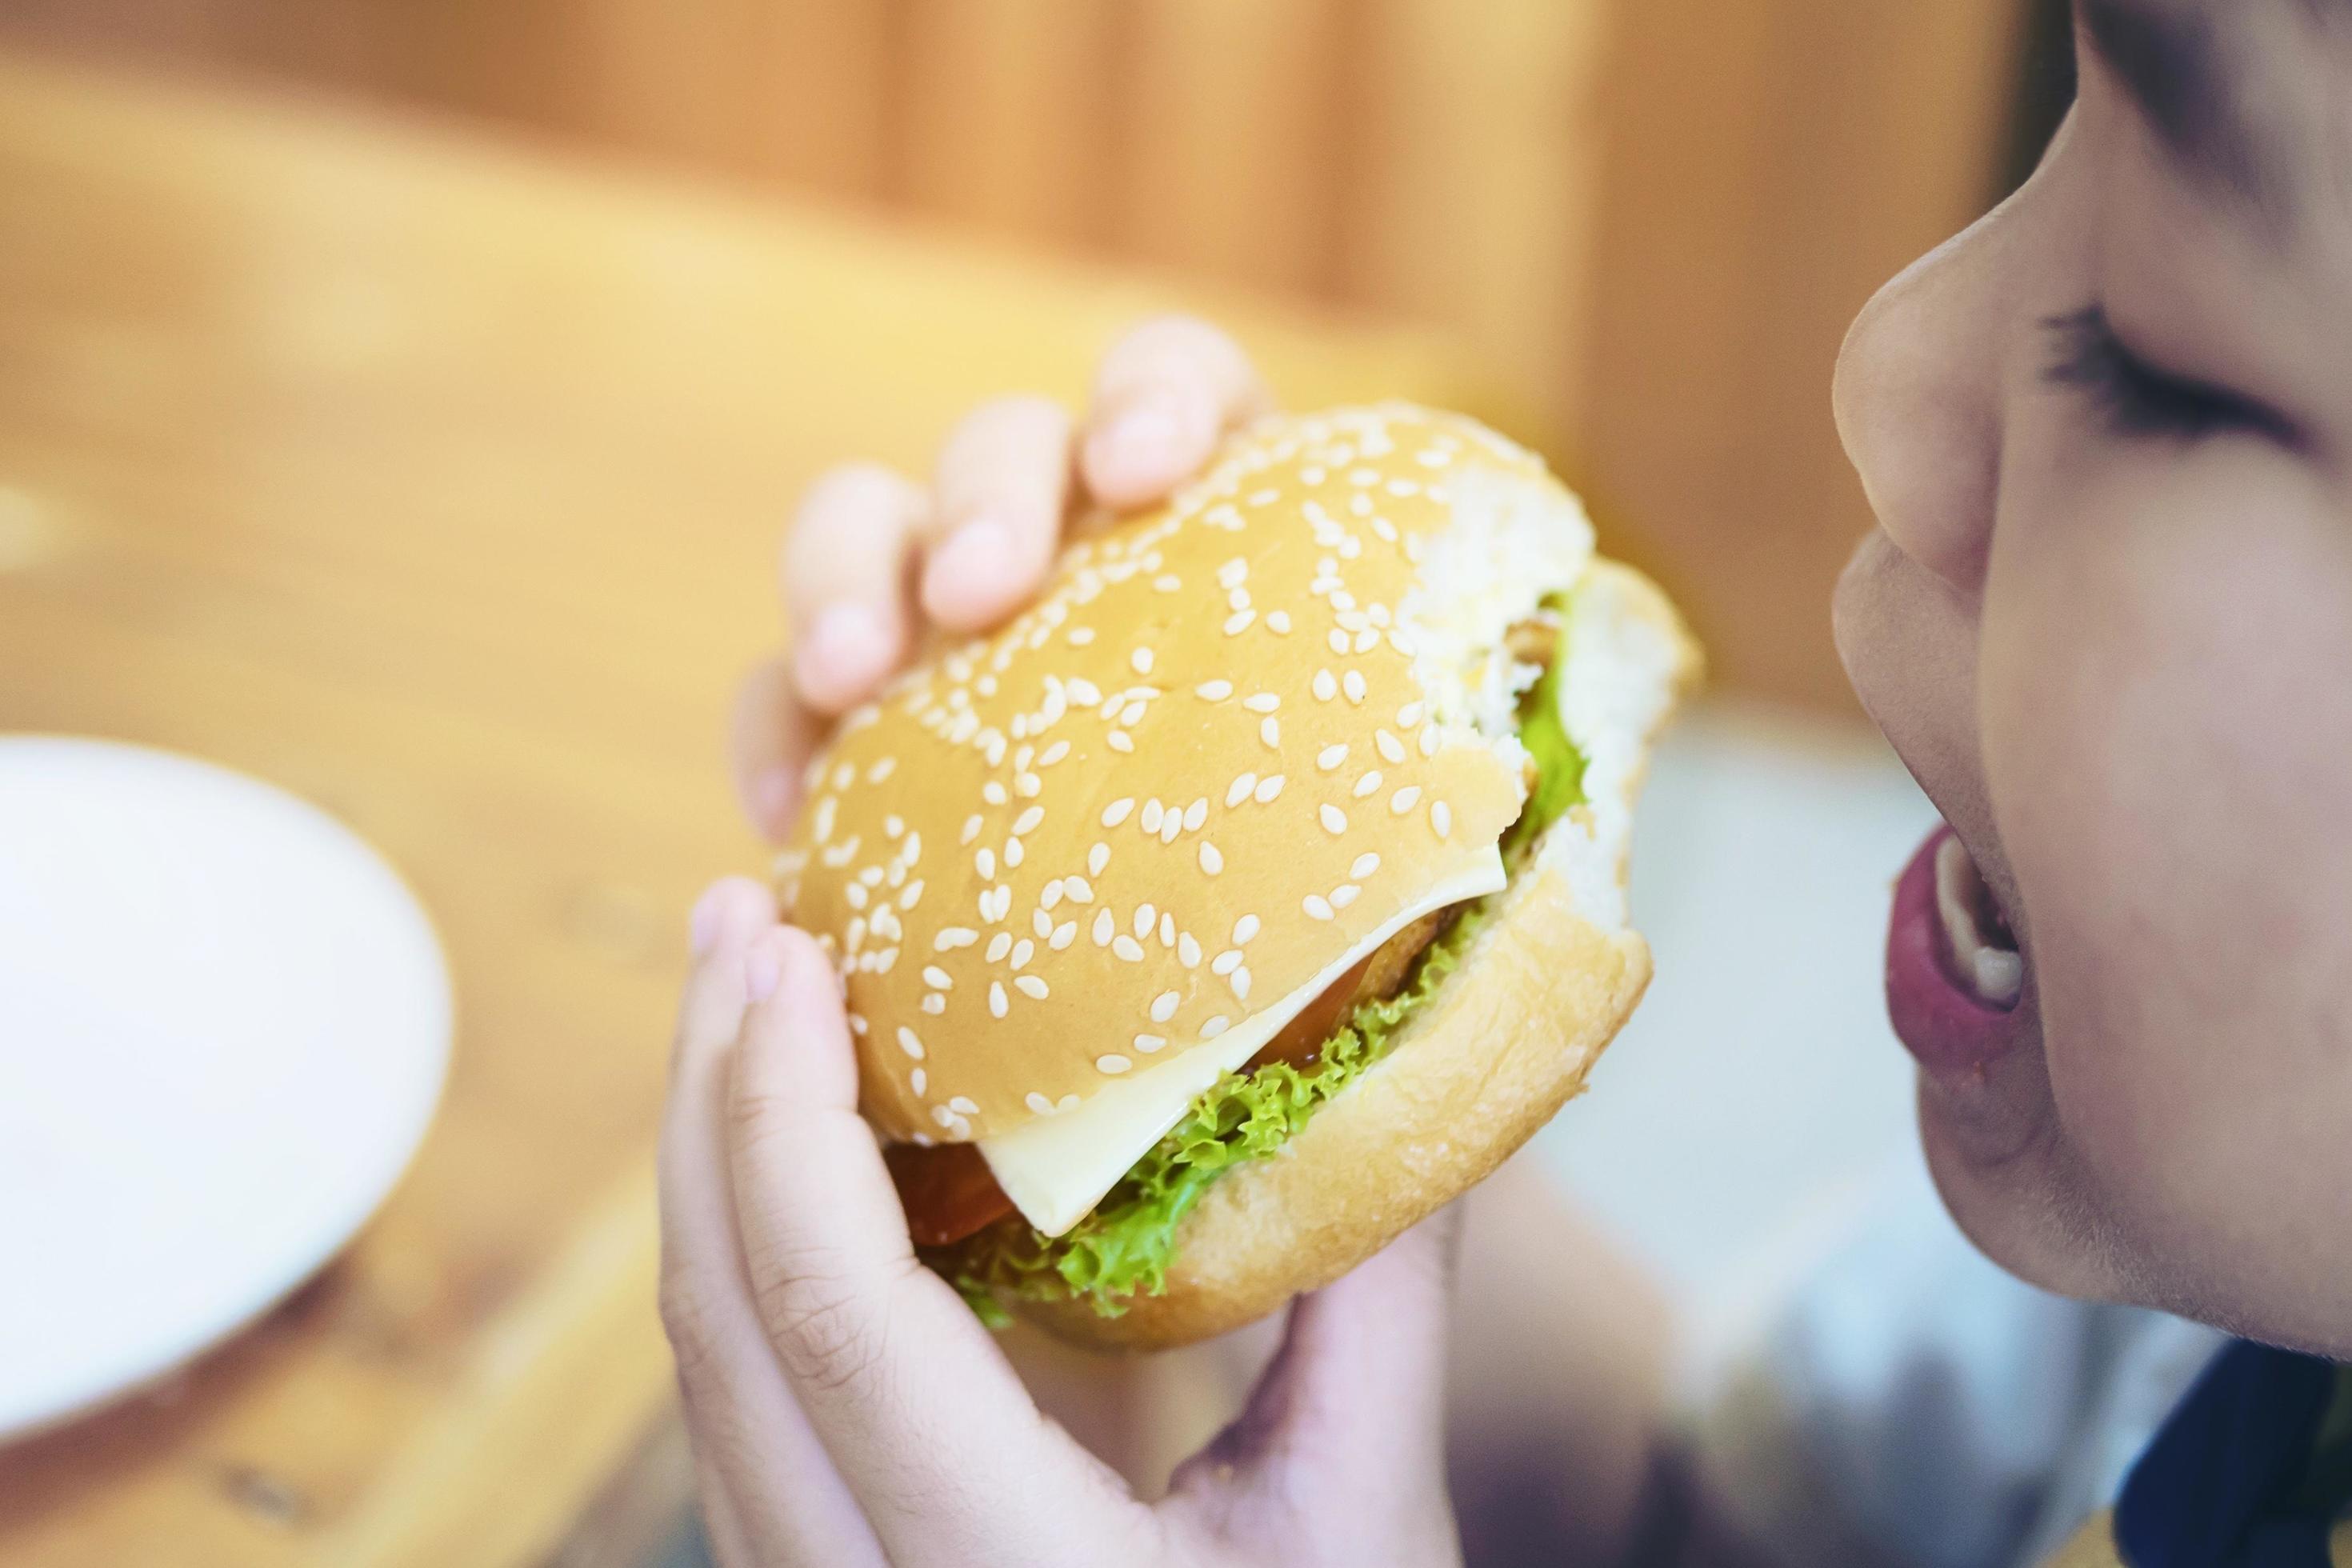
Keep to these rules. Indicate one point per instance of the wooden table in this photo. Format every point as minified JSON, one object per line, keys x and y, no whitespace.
{"x":440,"y":482}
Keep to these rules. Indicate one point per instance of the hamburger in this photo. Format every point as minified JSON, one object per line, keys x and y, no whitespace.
{"x":1258,"y":889}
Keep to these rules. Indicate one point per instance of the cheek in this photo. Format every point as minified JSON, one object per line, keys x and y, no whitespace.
{"x":2168,"y":744}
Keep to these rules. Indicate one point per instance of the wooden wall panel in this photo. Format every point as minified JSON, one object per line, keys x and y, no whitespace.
{"x":1231,"y":140}
{"x":1473,"y":139}
{"x":1770,"y":163}
{"x":1006,"y":114}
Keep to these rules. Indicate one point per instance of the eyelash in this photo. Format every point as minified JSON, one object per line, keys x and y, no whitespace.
{"x":2138,"y":400}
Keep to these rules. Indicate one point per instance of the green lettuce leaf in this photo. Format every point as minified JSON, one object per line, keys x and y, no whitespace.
{"x":1124,"y":1246}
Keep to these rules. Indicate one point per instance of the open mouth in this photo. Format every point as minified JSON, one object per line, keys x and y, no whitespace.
{"x":1954,"y":972}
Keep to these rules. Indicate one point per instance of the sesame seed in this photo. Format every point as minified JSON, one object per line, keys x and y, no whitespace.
{"x":1147,"y":1044}
{"x":1366,"y":864}
{"x":1264,"y":702}
{"x":1064,"y":934}
{"x":1405,"y":799}
{"x":933,"y":1002}
{"x":954,"y":937}
{"x":999,"y":945}
{"x":1441,"y":817}
{"x":1278,"y":623}
{"x":1338,"y":639}
{"x":996,"y":1001}
{"x":1127,"y":948}
{"x":937,"y":978}
{"x":1027,"y":785}
{"x":984,"y":862}
{"x":1132,"y":713}
{"x":917,"y":1080}
{"x":1144,"y":915}
{"x":943,"y":1116}
{"x":1029,"y":985}
{"x":1269,"y":786}
{"x":1022,"y":951}
{"x":1334,"y":819}
{"x":1317,"y":907}
{"x":910,"y":1043}
{"x":1028,"y":820}
{"x":1353,"y":685}
{"x":1169,"y":826}
{"x":1429,"y":740}
{"x":1187,"y":951}
{"x":1368,"y":783}
{"x":1196,"y":813}
{"x":1116,"y":812}
{"x":1097,"y":859}
{"x":1233,"y":574}
{"x":1216,"y":1026}
{"x":1079,"y":889}
{"x":1050,"y":897}
{"x":1239,"y":599}
{"x":1213,"y":859}
{"x":1269,"y":730}
{"x":1012,"y":852}
{"x":1239,"y":622}
{"x":962,"y":1106}
{"x":893,"y":826}
{"x":1167,"y":929}
{"x":1331,"y":756}
{"x":1326,"y":687}
{"x":1238,"y":791}
{"x":855,"y":893}
{"x":1391,"y":750}
{"x":1240,"y":981}
{"x":1113,"y":1065}
{"x":844,"y":775}
{"x":881,"y":770}
{"x":1409,"y":715}
{"x":993,"y":792}
{"x":1163,"y":1007}
{"x":1243,"y":929}
{"x":1085,"y":692}
{"x":1054,"y":753}
{"x":970,"y":827}
{"x":1078,"y":637}
{"x":1121,"y":740}
{"x":1166,"y":582}
{"x":1214,"y":690}
{"x":1152,"y":812}
{"x":1038,"y":1103}
{"x":1227,"y":962}
{"x":1104,"y":927}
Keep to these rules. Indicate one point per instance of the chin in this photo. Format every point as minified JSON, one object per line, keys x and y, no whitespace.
{"x":2023,"y":1201}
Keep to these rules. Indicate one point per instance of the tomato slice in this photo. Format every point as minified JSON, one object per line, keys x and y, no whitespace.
{"x":948,"y":1190}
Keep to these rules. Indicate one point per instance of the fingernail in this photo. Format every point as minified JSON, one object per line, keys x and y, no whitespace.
{"x":846,"y":647}
{"x":702,"y":925}
{"x":1140,"y":442}
{"x":763,"y":971}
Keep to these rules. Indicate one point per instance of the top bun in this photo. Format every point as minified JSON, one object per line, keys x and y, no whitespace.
{"x":1234,"y":738}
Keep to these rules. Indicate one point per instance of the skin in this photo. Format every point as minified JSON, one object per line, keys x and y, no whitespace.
{"x":2118,"y":663}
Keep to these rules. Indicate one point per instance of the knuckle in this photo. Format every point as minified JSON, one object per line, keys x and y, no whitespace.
{"x":823,"y":1327}
{"x":685,"y":1320}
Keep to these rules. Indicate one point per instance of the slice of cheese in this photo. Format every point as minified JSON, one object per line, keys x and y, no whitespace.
{"x":1058,"y":1167}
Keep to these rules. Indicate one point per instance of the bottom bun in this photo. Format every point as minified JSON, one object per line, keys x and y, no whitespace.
{"x":1506,"y":1042}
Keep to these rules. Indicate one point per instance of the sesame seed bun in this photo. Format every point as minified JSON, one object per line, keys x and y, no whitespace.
{"x":1507,"y":1042}
{"x":1235,"y":739}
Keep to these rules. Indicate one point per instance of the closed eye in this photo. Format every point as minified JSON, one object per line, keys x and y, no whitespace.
{"x":2138,"y":400}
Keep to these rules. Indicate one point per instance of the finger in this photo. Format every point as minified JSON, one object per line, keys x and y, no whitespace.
{"x":1356,"y":1392}
{"x":1165,"y":393}
{"x":1002,"y":484}
{"x":928,"y":1425}
{"x":768,"y":743}
{"x":771,"y":1494}
{"x":844,"y":582}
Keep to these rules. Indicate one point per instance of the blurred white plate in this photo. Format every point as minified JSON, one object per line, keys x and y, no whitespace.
{"x":224,"y":1024}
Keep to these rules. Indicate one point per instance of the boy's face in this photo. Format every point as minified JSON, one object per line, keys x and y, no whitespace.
{"x":2107,"y":621}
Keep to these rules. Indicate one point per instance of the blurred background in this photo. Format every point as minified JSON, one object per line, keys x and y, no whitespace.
{"x":400,"y":400}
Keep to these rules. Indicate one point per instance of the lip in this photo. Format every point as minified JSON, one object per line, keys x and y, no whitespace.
{"x":1955,"y":1034}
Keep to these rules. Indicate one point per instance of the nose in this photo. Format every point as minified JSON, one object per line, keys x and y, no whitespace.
{"x":1918,"y":400}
